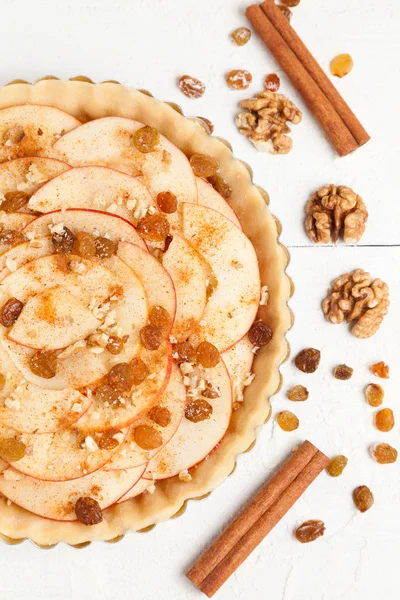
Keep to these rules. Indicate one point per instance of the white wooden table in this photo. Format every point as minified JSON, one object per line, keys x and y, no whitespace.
{"x":148,"y":44}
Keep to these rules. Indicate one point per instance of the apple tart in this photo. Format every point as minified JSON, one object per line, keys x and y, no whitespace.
{"x":143,"y":309}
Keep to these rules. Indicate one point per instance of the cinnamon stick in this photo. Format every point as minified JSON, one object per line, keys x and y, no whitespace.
{"x":255,"y":521}
{"x":294,"y":42}
{"x":331,"y":122}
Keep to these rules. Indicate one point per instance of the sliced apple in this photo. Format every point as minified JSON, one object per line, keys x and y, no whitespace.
{"x":210,"y":198}
{"x":60,"y":456}
{"x":173,"y":400}
{"x":103,"y":416}
{"x":90,"y":221}
{"x":10,"y":222}
{"x":29,"y":174}
{"x":194,"y":441}
{"x":99,"y":188}
{"x":56,"y":499}
{"x":31,"y":130}
{"x":238,"y":361}
{"x":23,"y":253}
{"x":159,"y":286}
{"x":109,"y":141}
{"x":141,"y":486}
{"x":233,"y":305}
{"x":185,"y":268}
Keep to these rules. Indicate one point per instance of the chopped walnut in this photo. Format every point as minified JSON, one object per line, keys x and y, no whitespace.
{"x":354,"y":297}
{"x":265,"y":123}
{"x":334,"y":210}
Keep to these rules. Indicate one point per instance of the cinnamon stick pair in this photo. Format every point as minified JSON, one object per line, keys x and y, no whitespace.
{"x":257,"y":519}
{"x":339,"y":123}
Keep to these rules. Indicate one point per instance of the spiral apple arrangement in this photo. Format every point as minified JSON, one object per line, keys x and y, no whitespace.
{"x":127,"y":288}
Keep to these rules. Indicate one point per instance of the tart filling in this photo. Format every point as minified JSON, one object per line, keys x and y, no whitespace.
{"x":127,"y":288}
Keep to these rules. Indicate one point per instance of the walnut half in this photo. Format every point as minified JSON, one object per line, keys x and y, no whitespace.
{"x":265,"y":122}
{"x":334,"y":210}
{"x":354,"y":297}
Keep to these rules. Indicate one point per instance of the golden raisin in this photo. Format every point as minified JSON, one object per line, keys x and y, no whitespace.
{"x":298,"y":393}
{"x":88,"y":511}
{"x":146,"y":139}
{"x":167,"y":202}
{"x":147,"y":437}
{"x":105,"y":393}
{"x":341,"y":65}
{"x":308,"y":360}
{"x":363,"y":498}
{"x":207,"y":355}
{"x":241,"y":36}
{"x":260,"y":334}
{"x":210,"y":391}
{"x":107,"y":440}
{"x":160,"y":415}
{"x":221,"y":186}
{"x":374,"y":394}
{"x":198,"y":410}
{"x":12,"y":450}
{"x":204,"y":165}
{"x":11,"y":236}
{"x":185,"y":352}
{"x":160,"y":318}
{"x":153,"y":228}
{"x":2,"y":381}
{"x":272,"y":82}
{"x":139,"y":370}
{"x":84,"y":245}
{"x":381,"y":370}
{"x":15,"y":134}
{"x":191,"y":87}
{"x":105,"y":248}
{"x":208,"y":123}
{"x":287,"y":420}
{"x":285,"y":11}
{"x":63,"y":242}
{"x":238,"y":79}
{"x":115,"y":344}
{"x":44,"y":364}
{"x":151,"y":337}
{"x":14,"y":201}
{"x":10,"y":312}
{"x":309,"y":531}
{"x":384,"y":454}
{"x":121,"y":377}
{"x":290,"y":3}
{"x":384,"y":419}
{"x":343,"y":372}
{"x":337,"y":466}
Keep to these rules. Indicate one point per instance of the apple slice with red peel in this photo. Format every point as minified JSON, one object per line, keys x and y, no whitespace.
{"x":94,"y":222}
{"x":141,"y":486}
{"x":194,"y":441}
{"x":127,"y":316}
{"x":173,"y":400}
{"x":210,"y":198}
{"x":185,"y":268}
{"x":103,"y":416}
{"x":53,"y":320}
{"x":159,"y":286}
{"x":99,"y":188}
{"x":232,"y":307}
{"x":239,"y":360}
{"x":29,"y":174}
{"x":110,"y":141}
{"x":63,"y":455}
{"x":31,"y":130}
{"x":56,"y":499}
{"x":9,"y":224}
{"x":24,"y":253}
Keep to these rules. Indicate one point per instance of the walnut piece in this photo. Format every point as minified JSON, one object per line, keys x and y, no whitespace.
{"x":354,"y":297}
{"x":333,"y":210}
{"x":265,"y":122}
